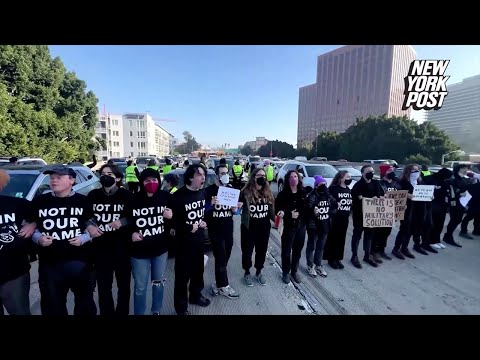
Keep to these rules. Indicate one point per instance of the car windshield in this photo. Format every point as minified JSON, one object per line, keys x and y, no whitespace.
{"x":144,"y":160}
{"x":325,"y":171}
{"x":19,"y":185}
{"x":352,"y":171}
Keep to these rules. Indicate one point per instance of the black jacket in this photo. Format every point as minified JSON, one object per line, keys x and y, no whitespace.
{"x":326,"y":203}
{"x":286,"y":201}
{"x":366,"y":190}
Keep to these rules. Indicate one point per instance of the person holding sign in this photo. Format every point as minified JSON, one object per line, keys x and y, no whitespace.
{"x":414,"y":218}
{"x":220,"y":229}
{"x":258,"y":211}
{"x":149,"y":249}
{"x":366,"y":187}
{"x":335,"y":246}
{"x":110,"y":241}
{"x":65,"y":254}
{"x":291,"y":205}
{"x":473,"y":211}
{"x":188,"y":206}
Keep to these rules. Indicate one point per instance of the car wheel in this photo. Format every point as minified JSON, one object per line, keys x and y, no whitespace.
{"x":280,"y":186}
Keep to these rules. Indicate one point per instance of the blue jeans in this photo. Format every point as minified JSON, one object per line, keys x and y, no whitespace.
{"x":141,"y":269}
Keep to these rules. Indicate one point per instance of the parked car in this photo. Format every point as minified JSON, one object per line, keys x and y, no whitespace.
{"x":356,"y":174}
{"x":29,"y":181}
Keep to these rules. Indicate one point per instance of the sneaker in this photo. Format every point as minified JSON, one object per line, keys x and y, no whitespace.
{"x":311,"y":271}
{"x":354,"y":260}
{"x":407,"y":253}
{"x":340,"y":265}
{"x":369,"y":260}
{"x":376,"y":258}
{"x":466,"y":235}
{"x":333,"y":264}
{"x":384,"y":256}
{"x":228,"y":292}
{"x":247,"y":279}
{"x":419,"y":249}
{"x":155,"y":313}
{"x":186,"y":312}
{"x":261,"y":279}
{"x":320,"y":270}
{"x":429,"y":248}
{"x":296,"y":277}
{"x":286,"y":278}
{"x":437,"y":246}
{"x":201,"y":301}
{"x":214,"y":290}
{"x":398,"y":254}
{"x":442,"y":246}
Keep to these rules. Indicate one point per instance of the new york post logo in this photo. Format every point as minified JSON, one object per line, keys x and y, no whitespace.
{"x":425,"y":85}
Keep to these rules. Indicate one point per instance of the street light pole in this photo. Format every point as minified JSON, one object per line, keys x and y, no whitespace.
{"x":451,"y":152}
{"x":316,"y":142}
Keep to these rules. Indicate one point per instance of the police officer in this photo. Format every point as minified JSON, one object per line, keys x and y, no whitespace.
{"x":131,"y":177}
{"x":237,"y":175}
{"x":268,"y":168}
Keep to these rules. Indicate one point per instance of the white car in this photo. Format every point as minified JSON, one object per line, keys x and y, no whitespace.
{"x":308,"y":170}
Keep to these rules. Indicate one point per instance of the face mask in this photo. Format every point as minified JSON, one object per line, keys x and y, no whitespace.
{"x":462,"y":173}
{"x":225,"y":179}
{"x":369,"y":176}
{"x":293,"y":181}
{"x":414,"y":177}
{"x":321,"y":188}
{"x":348,"y":182}
{"x":107,"y":181}
{"x":151,"y":187}
{"x":391,"y":176}
{"x":261,"y":181}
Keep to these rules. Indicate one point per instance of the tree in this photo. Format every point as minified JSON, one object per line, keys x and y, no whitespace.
{"x":418,"y":159}
{"x":190,"y":144}
{"x":247,"y":150}
{"x":328,"y":146}
{"x":45,"y":111}
{"x":278,"y":148}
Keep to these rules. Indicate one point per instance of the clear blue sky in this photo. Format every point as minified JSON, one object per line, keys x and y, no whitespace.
{"x":221,"y":94}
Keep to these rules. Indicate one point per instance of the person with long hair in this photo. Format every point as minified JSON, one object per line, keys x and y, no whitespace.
{"x":258,"y":210}
{"x":335,"y":246}
{"x":291,"y":205}
{"x":414,"y":218}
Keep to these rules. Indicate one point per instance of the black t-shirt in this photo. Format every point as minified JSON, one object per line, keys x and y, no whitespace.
{"x":146,"y":217}
{"x":14,"y":260}
{"x":63,"y":219}
{"x":386,"y":186}
{"x":217,"y":213}
{"x":259,"y":212}
{"x":343,"y":196}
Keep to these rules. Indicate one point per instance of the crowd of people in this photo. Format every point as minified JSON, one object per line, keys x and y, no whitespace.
{"x":84,"y":242}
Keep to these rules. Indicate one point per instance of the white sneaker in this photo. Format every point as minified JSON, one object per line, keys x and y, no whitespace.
{"x":436,"y":246}
{"x":311,"y":271}
{"x":321,"y":271}
{"x":214,"y":290}
{"x":441,"y":246}
{"x":228,"y":292}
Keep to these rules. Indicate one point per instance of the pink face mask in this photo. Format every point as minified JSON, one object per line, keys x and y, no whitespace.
{"x":293,"y":181}
{"x":151,"y":187}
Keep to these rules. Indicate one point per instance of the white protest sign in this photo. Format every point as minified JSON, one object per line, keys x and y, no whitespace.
{"x":465,"y":199}
{"x":228,"y":196}
{"x":423,"y":192}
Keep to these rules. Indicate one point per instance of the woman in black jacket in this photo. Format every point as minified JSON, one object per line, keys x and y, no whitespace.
{"x":291,"y":204}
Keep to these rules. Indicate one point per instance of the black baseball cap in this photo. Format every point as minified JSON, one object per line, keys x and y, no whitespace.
{"x":61,"y":170}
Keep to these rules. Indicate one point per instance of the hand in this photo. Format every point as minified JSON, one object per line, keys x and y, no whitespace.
{"x":463,"y":194}
{"x":316,"y":210}
{"x":75,"y":241}
{"x":27,"y":230}
{"x":172,"y":232}
{"x":45,"y":240}
{"x":382,"y":197}
{"x":94,"y":231}
{"x":410,"y":196}
{"x":234,"y":209}
{"x":295,"y":214}
{"x":136,"y":236}
{"x":214,"y":200}
{"x":195,"y":228}
{"x":202,"y":224}
{"x":167,"y":213}
{"x":280,"y":214}
{"x":240,"y":205}
{"x":117,"y":224}
{"x":360,"y":197}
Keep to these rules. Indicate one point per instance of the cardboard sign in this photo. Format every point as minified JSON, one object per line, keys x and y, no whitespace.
{"x":228,"y":196}
{"x":423,"y":192}
{"x":378,"y":212}
{"x":400,"y":198}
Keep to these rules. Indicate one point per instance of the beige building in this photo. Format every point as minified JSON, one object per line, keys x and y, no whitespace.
{"x":354,"y":81}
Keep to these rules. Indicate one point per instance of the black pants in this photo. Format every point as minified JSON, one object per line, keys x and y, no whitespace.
{"x":117,"y":263}
{"x":188,"y":268}
{"x":221,"y":235}
{"x":469,"y":216}
{"x":379,"y":241}
{"x":456,"y":214}
{"x":427,"y":227}
{"x":55,"y":280}
{"x":293,"y":240}
{"x":133,"y":186}
{"x":438,"y":221}
{"x":255,"y":237}
{"x":335,"y":246}
{"x":14,"y":295}
{"x":368,"y":234}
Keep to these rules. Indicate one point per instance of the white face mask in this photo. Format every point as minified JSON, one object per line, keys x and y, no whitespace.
{"x":225,"y":179}
{"x":414,"y":177}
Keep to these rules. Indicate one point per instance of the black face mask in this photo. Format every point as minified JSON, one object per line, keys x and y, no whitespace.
{"x":261,"y":181}
{"x":348,"y":182}
{"x":107,"y":181}
{"x":369,"y":176}
{"x":321,"y":188}
{"x":391,"y":176}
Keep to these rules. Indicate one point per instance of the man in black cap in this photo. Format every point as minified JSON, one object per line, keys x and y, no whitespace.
{"x":65,"y":257}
